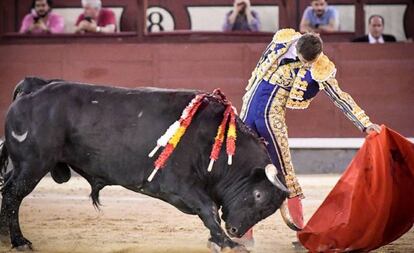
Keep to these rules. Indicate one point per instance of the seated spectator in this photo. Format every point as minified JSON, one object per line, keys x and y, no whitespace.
{"x":95,"y":19}
{"x":376,"y":29}
{"x":42,"y":20}
{"x":319,"y":17}
{"x":241,"y":18}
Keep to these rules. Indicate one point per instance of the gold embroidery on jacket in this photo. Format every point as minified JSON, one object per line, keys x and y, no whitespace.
{"x":286,"y":35}
{"x":265,"y":63}
{"x":299,"y":87}
{"x":322,"y":69}
{"x":346,"y":103}
{"x":283,"y":36}
{"x":280,"y":75}
{"x":293,"y":104}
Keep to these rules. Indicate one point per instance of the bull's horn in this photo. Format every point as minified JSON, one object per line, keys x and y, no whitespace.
{"x":286,"y":217}
{"x":271,"y":173}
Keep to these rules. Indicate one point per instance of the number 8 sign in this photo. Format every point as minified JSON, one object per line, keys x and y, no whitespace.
{"x":159,"y":20}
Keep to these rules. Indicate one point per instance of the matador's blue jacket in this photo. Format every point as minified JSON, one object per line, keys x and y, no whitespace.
{"x":279,"y":65}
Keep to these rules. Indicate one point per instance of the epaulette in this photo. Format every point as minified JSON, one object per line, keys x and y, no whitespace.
{"x":286,"y":35}
{"x":322,"y":69}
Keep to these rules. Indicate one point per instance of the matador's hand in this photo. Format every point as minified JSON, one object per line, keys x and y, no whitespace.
{"x":373,"y":128}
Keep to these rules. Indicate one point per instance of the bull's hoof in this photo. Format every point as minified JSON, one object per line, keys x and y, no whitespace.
{"x":237,"y":249}
{"x":26,"y":247}
{"x":22,"y":245}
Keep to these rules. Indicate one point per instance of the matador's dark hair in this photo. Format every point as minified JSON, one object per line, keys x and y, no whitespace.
{"x":310,"y":45}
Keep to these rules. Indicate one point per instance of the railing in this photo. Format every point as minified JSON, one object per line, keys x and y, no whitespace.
{"x":136,"y":20}
{"x":131,"y":22}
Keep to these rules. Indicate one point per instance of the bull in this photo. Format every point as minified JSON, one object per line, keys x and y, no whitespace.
{"x":105,"y":134}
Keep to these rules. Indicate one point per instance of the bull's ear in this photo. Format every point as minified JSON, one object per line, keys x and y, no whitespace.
{"x":258,"y":174}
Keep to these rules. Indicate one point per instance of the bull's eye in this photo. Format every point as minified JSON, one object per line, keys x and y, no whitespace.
{"x":259,"y":196}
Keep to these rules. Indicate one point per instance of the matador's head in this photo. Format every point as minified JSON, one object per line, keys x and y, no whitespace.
{"x":309,"y":48}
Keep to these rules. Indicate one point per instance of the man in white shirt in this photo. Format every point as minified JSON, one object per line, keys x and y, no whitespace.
{"x":376,"y":29}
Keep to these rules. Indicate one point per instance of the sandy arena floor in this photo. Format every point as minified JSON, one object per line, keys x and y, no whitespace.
{"x":61,"y":218}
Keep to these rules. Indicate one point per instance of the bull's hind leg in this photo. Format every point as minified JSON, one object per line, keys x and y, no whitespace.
{"x":23,"y":181}
{"x":4,"y":223}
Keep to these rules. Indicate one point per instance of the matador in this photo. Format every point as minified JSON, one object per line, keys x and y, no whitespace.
{"x":289,"y":74}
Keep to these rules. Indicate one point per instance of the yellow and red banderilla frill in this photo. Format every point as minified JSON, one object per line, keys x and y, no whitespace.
{"x":172,"y":136}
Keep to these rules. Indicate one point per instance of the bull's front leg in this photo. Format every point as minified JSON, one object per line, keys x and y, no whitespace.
{"x":211,"y":219}
{"x":219,"y":238}
{"x":207,"y":210}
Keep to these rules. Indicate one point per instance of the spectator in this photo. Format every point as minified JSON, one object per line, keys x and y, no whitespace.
{"x":41,"y":19}
{"x":241,"y":18}
{"x":376,"y":29}
{"x":95,"y":19}
{"x":319,"y":17}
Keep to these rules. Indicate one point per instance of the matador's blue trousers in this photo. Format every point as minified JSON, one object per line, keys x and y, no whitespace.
{"x":265,"y":114}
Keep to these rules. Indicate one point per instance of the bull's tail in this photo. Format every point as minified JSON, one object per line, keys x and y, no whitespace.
{"x":4,"y":162}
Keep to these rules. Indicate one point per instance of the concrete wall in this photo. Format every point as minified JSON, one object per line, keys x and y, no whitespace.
{"x":321,"y":161}
{"x":380,"y":77}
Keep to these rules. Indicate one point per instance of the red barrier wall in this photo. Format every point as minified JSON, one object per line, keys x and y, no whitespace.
{"x":379,"y":77}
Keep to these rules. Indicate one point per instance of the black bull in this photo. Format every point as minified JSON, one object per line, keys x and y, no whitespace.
{"x":105,"y":134}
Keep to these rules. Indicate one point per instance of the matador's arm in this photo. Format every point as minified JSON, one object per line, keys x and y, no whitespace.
{"x":346,"y":103}
{"x":323,"y":71}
